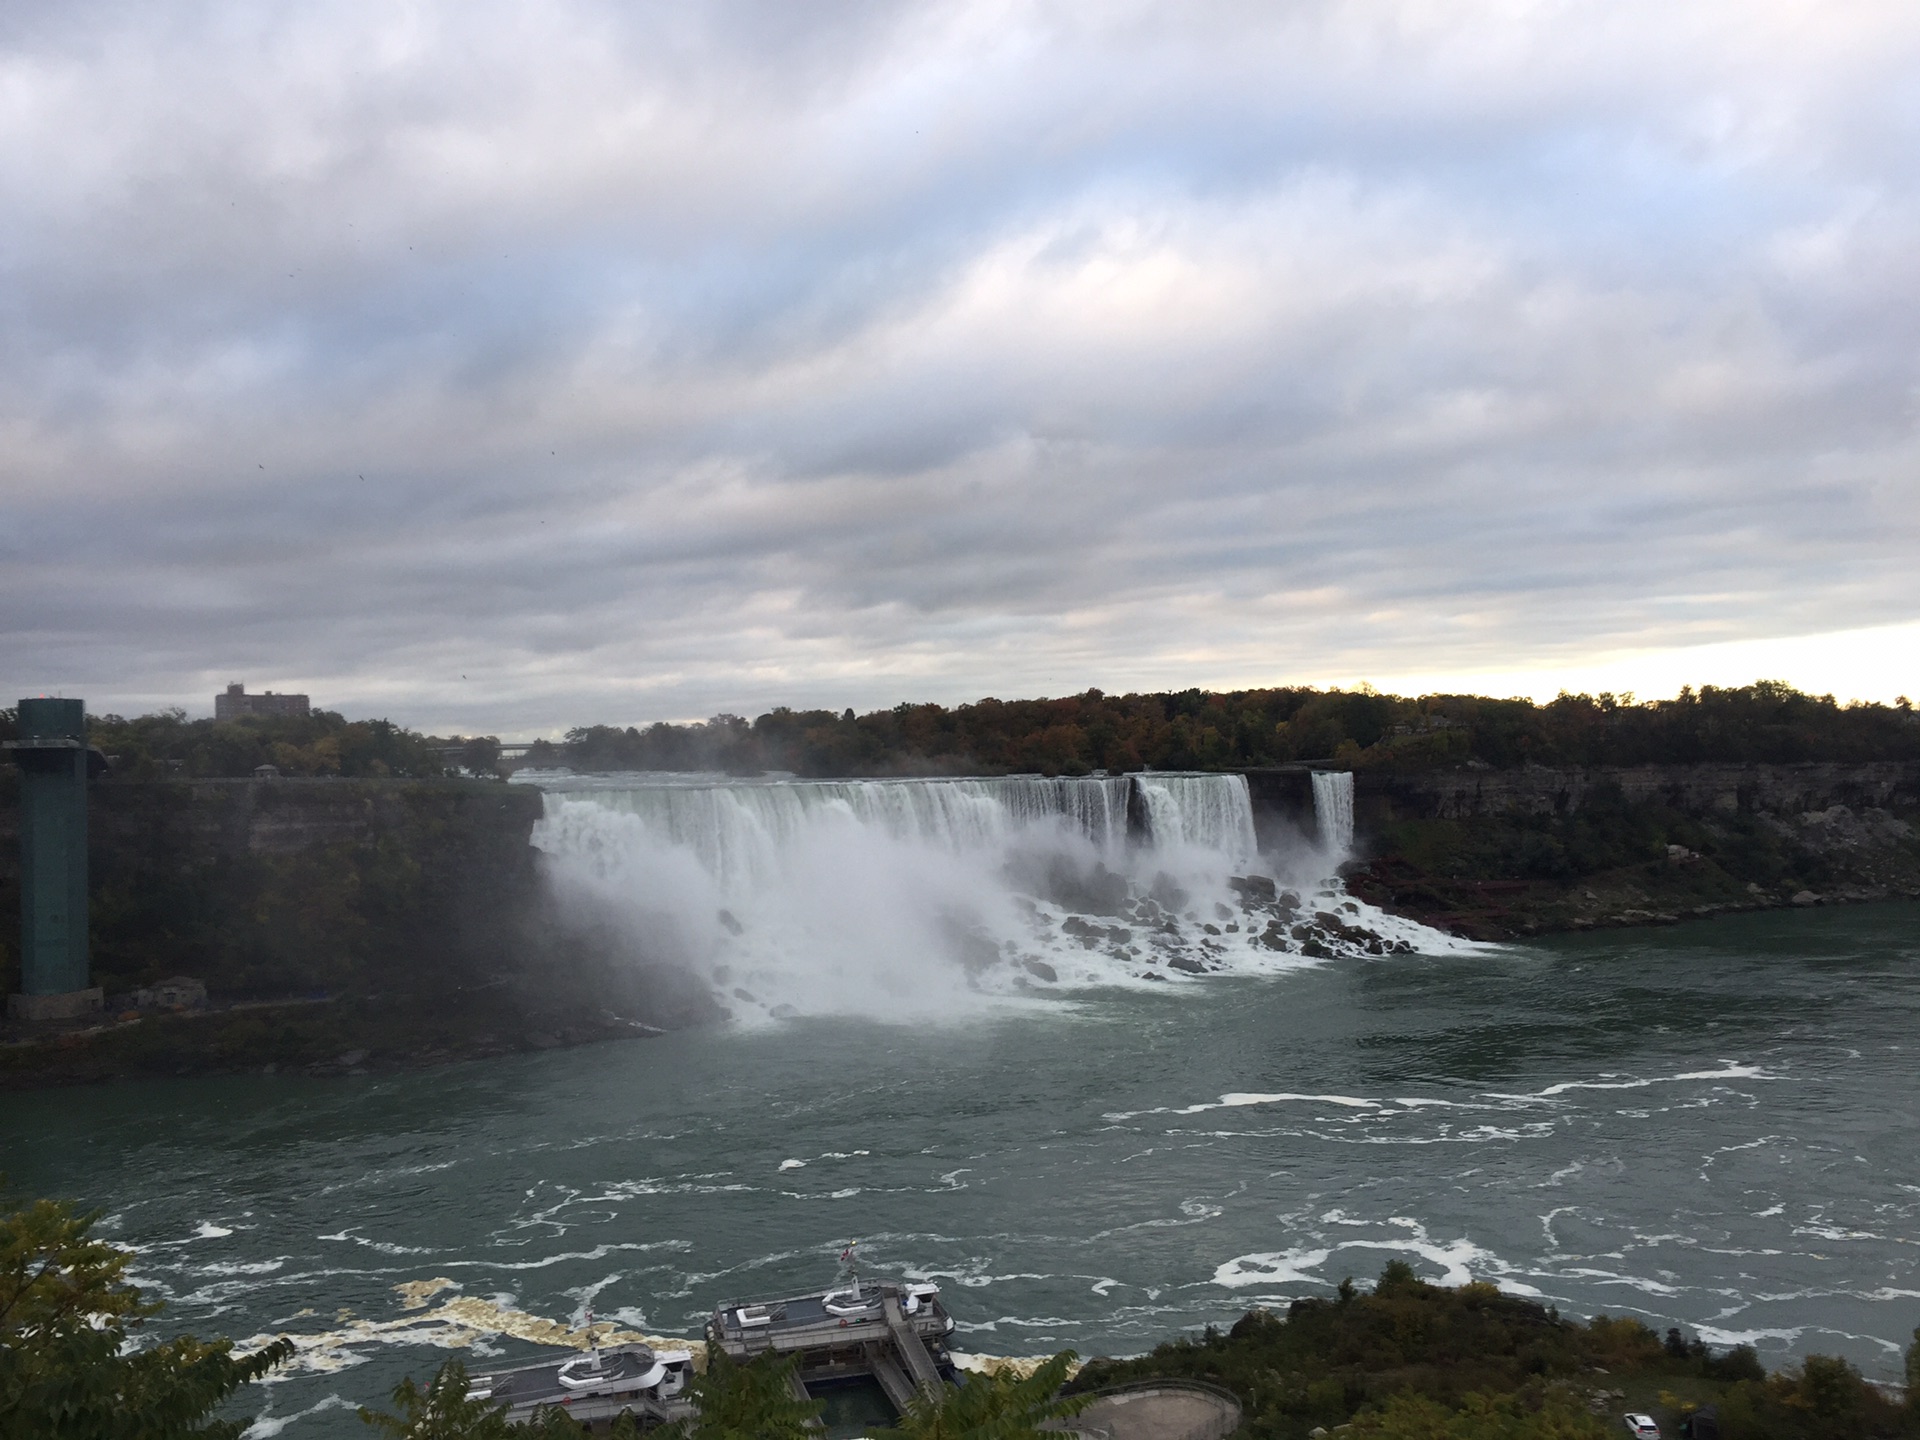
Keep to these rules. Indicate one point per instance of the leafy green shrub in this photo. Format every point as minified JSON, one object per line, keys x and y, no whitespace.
{"x":1000,"y":1406}
{"x":67,"y":1317}
{"x":750,"y":1401}
{"x":1413,"y":1359}
{"x":1479,"y":1417}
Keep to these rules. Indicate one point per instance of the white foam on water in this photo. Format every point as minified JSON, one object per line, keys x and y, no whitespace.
{"x":240,"y":1267}
{"x":1459,"y":1261}
{"x":1235,"y":1101}
{"x":910,"y":900}
{"x":1370,"y":1111}
{"x":462,"y":1322}
{"x":266,"y":1424}
{"x":1730,"y":1070}
{"x":1714,"y":1335}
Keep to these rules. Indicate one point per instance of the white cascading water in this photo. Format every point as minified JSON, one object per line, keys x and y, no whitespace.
{"x":1199,"y":812}
{"x":1333,"y":811}
{"x":916,"y":899}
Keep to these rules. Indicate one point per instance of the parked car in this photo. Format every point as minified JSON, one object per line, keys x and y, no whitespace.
{"x":1642,"y":1427}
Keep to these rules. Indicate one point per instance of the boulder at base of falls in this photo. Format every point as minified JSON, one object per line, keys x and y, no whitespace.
{"x":1040,"y":970}
{"x":1191,"y":966}
{"x":1090,"y":935}
{"x":1253,"y":889}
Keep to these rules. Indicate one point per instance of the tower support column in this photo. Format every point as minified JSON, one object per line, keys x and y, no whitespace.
{"x":55,"y":965}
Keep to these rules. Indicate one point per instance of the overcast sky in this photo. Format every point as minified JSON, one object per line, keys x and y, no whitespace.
{"x":508,"y":367}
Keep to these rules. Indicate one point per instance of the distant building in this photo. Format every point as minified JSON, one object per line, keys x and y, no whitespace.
{"x":236,"y":702}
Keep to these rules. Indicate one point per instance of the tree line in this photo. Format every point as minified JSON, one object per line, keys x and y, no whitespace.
{"x":167,"y":745}
{"x":1360,"y":729}
{"x":1202,"y":730}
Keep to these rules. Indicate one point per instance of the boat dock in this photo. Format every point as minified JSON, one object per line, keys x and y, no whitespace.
{"x":897,"y":1334}
{"x":651,"y":1386}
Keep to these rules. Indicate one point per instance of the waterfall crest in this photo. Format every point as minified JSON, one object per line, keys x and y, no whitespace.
{"x":741,"y":831}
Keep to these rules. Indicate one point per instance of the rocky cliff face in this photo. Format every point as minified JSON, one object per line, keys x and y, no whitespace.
{"x":344,"y":918}
{"x":1495,"y":853}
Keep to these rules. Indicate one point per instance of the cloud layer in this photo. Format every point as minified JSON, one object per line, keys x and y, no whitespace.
{"x":505,"y":367}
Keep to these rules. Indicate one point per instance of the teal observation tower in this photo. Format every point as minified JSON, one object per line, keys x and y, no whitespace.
{"x":55,"y":764}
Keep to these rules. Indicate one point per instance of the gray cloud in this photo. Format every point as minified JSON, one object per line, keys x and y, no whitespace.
{"x":636,"y":362}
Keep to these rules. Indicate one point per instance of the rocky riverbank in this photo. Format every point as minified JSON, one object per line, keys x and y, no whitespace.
{"x":1495,"y":855}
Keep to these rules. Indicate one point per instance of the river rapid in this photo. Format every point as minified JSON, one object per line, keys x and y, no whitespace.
{"x":1711,"y":1125}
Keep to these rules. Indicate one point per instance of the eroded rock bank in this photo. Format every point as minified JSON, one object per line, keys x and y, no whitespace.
{"x":1496,"y":854}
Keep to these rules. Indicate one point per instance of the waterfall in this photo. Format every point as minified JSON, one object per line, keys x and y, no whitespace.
{"x":1208,"y":812}
{"x":917,"y":900}
{"x":1333,"y":809}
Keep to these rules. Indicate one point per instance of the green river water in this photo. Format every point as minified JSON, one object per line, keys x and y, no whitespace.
{"x":1715,"y":1125}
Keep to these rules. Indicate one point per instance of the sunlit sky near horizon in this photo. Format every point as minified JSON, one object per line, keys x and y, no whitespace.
{"x":510,"y":367}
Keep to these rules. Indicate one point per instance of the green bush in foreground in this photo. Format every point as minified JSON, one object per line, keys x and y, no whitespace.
{"x":1479,"y":1417}
{"x":1413,"y":1361}
{"x":443,"y":1411}
{"x":999,"y":1406}
{"x":751,"y":1401}
{"x":67,"y":1314}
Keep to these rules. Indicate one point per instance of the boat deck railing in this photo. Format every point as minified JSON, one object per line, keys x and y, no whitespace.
{"x":815,"y":1328}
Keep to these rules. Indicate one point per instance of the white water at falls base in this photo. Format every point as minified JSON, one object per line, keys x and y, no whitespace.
{"x":916,"y":899}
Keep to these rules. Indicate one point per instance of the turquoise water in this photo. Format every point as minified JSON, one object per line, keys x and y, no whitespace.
{"x":1713,"y":1125}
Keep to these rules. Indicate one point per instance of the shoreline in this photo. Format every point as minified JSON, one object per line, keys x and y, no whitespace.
{"x":341,"y":1039}
{"x":1520,"y":910}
